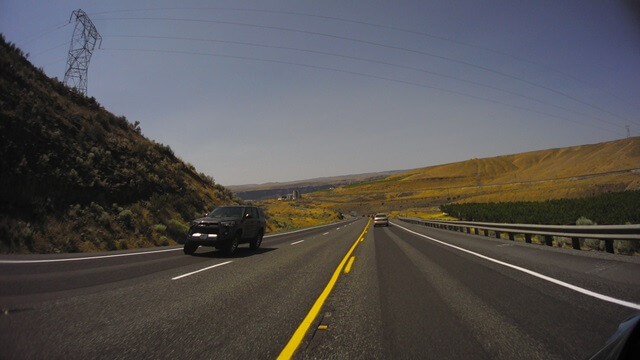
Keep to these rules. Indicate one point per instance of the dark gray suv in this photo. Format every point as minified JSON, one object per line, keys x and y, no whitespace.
{"x":226,"y":227}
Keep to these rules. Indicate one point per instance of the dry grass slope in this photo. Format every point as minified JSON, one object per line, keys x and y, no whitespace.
{"x":570,"y":172}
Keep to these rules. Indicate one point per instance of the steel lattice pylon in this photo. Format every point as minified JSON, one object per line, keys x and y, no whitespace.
{"x":84,"y":40}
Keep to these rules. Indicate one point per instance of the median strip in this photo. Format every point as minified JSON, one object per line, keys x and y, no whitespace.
{"x":302,"y":329}
{"x":197,"y":271}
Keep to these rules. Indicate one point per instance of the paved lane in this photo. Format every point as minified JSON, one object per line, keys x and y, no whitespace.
{"x":247,"y":308}
{"x":410,"y":297}
{"x":407,"y":294}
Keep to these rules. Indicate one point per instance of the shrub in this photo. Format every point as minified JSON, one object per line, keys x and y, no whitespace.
{"x":164,"y":241}
{"x":177,"y":230}
{"x":126,"y":218}
{"x":594,"y":244}
{"x":627,"y":247}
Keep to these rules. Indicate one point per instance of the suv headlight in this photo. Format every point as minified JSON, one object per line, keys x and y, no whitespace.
{"x":228,"y":223}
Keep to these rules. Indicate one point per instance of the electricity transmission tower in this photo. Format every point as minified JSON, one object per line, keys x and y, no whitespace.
{"x":84,"y":40}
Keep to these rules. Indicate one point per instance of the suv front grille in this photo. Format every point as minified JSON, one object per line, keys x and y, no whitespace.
{"x":206,"y":228}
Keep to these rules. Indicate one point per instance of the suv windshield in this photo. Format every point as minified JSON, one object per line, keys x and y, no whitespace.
{"x":226,"y":212}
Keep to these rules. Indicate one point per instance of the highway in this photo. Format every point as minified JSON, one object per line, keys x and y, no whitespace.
{"x":404,"y":291}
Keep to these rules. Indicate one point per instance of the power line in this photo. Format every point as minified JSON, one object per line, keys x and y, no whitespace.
{"x":384,"y":27}
{"x":44,"y":33}
{"x":369,"y":61}
{"x":361,"y":75}
{"x":51,"y":48}
{"x":531,"y":83}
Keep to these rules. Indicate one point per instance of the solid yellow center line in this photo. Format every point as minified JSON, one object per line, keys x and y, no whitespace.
{"x":348,"y":267}
{"x":304,"y":326}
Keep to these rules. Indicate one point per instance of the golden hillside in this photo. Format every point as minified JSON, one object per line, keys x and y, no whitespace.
{"x":570,"y":172}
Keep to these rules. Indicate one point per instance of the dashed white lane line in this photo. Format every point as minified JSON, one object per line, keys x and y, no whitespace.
{"x":300,"y":230}
{"x":593,"y":294}
{"x":197,"y":271}
{"x":297,"y":242}
{"x":325,"y":233}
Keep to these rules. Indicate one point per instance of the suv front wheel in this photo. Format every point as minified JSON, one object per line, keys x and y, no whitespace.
{"x":190,"y":248}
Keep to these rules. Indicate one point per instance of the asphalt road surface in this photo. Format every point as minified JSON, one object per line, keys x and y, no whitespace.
{"x":344,"y":291}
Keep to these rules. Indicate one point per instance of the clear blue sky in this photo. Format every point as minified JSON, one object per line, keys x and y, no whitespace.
{"x":259,"y":91}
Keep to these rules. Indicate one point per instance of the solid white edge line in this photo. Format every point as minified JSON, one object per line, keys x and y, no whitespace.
{"x":197,"y":271}
{"x":128,"y":254}
{"x":297,"y":242}
{"x":533,"y":273}
{"x":85,"y":258}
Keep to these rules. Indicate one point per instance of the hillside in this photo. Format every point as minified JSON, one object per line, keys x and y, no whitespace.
{"x":571,"y":172}
{"x":275,"y":189}
{"x":74,"y":177}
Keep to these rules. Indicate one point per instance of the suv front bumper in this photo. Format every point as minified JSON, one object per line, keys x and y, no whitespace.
{"x":207,"y":239}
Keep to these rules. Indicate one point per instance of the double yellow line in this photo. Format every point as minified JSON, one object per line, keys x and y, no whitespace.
{"x":302,"y":329}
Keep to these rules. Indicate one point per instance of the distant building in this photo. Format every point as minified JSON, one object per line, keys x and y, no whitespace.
{"x":293,"y":196}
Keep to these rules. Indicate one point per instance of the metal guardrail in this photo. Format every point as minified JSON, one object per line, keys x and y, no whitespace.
{"x":608,"y":233}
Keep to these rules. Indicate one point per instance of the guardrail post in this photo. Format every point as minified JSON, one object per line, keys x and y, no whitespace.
{"x":527,"y":238}
{"x":608,"y":245}
{"x":497,"y":234}
{"x":512,"y":237}
{"x":486,"y":232}
{"x":548,"y":240}
{"x":576,"y":243}
{"x":475,"y":230}
{"x":468,"y":230}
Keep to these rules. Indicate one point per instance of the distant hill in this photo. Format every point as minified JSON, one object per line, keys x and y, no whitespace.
{"x":74,"y":177}
{"x":571,"y":172}
{"x":275,"y":189}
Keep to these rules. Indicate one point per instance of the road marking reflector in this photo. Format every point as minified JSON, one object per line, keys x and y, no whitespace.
{"x":197,"y":271}
{"x":297,"y":242}
{"x":349,"y":264}
{"x":301,"y":331}
{"x":323,"y":327}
